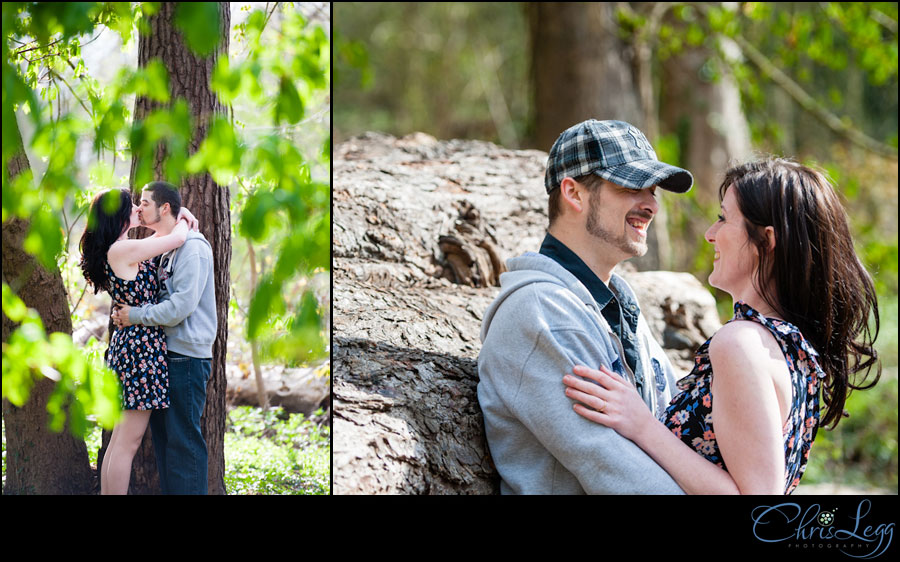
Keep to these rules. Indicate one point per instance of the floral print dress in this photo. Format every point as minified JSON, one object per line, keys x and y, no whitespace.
{"x":689,"y":414}
{"x":138,"y":353}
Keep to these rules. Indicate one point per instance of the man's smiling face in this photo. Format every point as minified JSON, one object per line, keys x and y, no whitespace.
{"x":619,"y":217}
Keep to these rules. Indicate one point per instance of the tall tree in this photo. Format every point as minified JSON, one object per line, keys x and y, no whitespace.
{"x":705,"y":113}
{"x":189,"y":80}
{"x":580,"y":67}
{"x":39,"y":461}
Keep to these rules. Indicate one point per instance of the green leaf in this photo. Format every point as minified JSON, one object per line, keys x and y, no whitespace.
{"x":254,"y":219}
{"x":102,"y":174}
{"x":220,"y":153}
{"x":45,"y":238}
{"x":288,"y":106}
{"x":13,"y":306}
{"x":265,"y":300}
{"x":200,"y":25}
{"x":154,"y":81}
{"x":226,"y":80}
{"x":111,"y":124}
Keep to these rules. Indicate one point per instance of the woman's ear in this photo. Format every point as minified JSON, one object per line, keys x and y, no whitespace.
{"x":572,"y":195}
{"x":770,"y":238}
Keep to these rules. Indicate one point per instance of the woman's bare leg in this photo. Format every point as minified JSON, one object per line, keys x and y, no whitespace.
{"x":126,"y":439}
{"x":104,"y":469}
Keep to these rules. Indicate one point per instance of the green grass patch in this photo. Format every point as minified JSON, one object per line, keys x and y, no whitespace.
{"x":273,"y":452}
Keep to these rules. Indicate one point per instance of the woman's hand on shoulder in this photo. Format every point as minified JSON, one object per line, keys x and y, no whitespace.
{"x":187,"y":216}
{"x":180,"y":232}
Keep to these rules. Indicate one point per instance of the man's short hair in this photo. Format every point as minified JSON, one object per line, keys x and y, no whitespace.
{"x":591,"y":181}
{"x":164,"y":192}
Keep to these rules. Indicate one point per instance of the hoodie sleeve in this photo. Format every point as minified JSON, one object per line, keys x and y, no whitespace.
{"x":527,"y":372}
{"x":188,"y":280}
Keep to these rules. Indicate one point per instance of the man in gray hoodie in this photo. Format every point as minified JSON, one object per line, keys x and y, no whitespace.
{"x":564,"y":307}
{"x":187,"y":310}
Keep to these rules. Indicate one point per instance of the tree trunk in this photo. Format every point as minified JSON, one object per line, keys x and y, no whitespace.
{"x":39,"y":461}
{"x":580,"y":68}
{"x":713,"y":131}
{"x":189,"y":79}
{"x":261,"y":395}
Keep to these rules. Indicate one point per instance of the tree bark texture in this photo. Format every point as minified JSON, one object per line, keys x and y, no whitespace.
{"x":39,"y":461}
{"x":189,"y":79}
{"x":580,"y":68}
{"x":407,"y":323}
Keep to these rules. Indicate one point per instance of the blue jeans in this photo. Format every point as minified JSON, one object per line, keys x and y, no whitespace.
{"x":178,"y":442}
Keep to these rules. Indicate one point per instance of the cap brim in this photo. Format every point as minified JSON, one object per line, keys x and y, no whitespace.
{"x":642,"y":174}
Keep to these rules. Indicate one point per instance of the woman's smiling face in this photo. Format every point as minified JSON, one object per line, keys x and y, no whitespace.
{"x":736,"y":257}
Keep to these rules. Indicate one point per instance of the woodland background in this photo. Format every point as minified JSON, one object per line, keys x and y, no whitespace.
{"x":710,"y":83}
{"x":229,"y":101}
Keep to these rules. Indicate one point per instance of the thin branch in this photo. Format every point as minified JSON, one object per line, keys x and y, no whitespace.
{"x":20,"y":51}
{"x":314,"y":117}
{"x":807,"y":102}
{"x":317,"y":14}
{"x":102,"y":29}
{"x":47,"y":56}
{"x":89,"y":112}
{"x":269,"y":15}
{"x":79,"y":302}
{"x":885,"y":20}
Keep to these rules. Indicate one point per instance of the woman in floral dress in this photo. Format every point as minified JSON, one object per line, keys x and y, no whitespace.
{"x":800,"y":332}
{"x":124,"y":268}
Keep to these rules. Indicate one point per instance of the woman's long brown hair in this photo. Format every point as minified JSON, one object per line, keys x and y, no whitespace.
{"x":813,"y":278}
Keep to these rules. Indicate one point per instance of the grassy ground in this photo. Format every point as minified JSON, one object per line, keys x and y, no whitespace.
{"x":268,"y":452}
{"x":276,"y":453}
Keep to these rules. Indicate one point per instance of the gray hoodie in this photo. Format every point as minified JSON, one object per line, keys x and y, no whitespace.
{"x":544,"y":322}
{"x":187,"y":299}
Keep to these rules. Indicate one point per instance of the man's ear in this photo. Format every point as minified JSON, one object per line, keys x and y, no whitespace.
{"x":572,"y":195}
{"x":167,"y":207}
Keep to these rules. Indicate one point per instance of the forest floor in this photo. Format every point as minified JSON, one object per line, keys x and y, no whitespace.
{"x":266,"y":453}
{"x":271,"y":452}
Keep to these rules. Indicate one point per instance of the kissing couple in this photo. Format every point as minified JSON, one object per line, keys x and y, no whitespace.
{"x":164,"y":312}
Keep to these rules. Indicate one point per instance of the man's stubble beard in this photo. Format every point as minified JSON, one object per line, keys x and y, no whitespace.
{"x":630,"y":247}
{"x":149,"y":224}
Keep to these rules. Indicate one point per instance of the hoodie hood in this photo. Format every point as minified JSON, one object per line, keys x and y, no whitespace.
{"x":531,"y":268}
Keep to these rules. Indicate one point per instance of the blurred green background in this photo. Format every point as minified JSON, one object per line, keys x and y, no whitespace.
{"x":709,"y":83}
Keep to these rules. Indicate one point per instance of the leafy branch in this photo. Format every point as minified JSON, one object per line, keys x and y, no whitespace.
{"x":647,"y":36}
{"x":841,"y":126}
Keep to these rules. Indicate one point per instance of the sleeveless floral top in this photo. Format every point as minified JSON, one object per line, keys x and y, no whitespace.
{"x":138,"y":353}
{"x":689,"y":414}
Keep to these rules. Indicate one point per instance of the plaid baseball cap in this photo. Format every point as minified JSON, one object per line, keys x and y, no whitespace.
{"x":614,"y":150}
